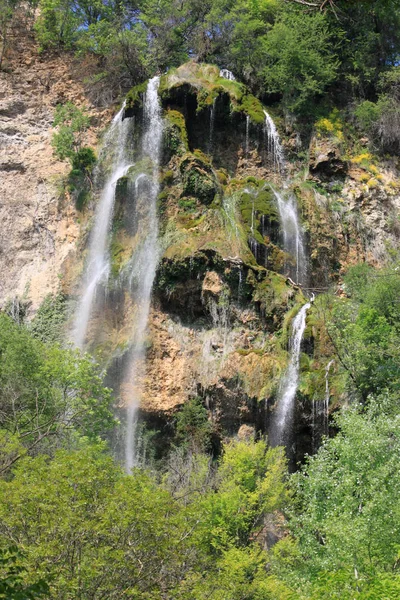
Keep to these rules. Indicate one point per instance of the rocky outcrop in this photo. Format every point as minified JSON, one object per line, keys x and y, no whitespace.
{"x":40,"y":225}
{"x":222,"y":302}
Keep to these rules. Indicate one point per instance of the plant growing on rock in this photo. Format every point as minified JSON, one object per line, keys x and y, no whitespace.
{"x":72,"y":123}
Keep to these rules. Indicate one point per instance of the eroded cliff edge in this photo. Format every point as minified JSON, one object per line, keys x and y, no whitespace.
{"x":222,"y":301}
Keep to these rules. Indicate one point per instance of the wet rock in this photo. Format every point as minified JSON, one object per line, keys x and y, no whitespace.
{"x":326,"y":160}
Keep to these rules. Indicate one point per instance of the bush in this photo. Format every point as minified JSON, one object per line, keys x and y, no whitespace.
{"x":84,"y":160}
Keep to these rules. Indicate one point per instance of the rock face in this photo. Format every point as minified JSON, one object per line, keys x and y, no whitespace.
{"x":222,"y":301}
{"x":40,"y":225}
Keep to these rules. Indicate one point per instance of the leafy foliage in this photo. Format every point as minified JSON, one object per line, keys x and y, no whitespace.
{"x":346,"y":519}
{"x":193,"y":428}
{"x":11,"y":570}
{"x":67,"y":141}
{"x":91,"y":530}
{"x":47,"y":395}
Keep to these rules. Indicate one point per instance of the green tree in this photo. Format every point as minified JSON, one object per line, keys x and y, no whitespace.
{"x":301,"y":59}
{"x":193,"y":429}
{"x":57,"y":24}
{"x":364,"y":330}
{"x":346,"y":518}
{"x":71,"y":123}
{"x":47,"y":394}
{"x":11,"y":580}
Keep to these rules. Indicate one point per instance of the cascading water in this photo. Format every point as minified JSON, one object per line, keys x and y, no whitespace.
{"x":98,"y":263}
{"x":283,"y":417}
{"x":226,"y":74}
{"x":274,"y":143}
{"x":293,"y":242}
{"x":144,"y":263}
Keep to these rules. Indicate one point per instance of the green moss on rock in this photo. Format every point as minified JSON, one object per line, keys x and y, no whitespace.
{"x":205,"y":83}
{"x":175,"y":138}
{"x":198,"y":178}
{"x":134,"y":98}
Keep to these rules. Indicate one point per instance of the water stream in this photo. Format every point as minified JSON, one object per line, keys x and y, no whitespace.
{"x":283,"y":418}
{"x":226,"y":74}
{"x":296,"y":267}
{"x":247,"y":146}
{"x":98,"y":261}
{"x":144,"y":263}
{"x":293,"y":237}
{"x":274,"y":143}
{"x":212,"y":123}
{"x":327,"y":397}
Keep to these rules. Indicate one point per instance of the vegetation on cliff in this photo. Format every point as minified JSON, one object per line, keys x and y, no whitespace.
{"x":194,"y":525}
{"x":216,"y":514}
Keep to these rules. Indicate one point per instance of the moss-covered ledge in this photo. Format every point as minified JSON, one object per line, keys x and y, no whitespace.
{"x":204,"y":82}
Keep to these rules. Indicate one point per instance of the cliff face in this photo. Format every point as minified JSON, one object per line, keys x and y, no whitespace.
{"x":40,"y":225}
{"x":223,"y":299}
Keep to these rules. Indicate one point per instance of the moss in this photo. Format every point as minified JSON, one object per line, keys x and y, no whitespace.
{"x":134,"y":98}
{"x":175,"y":138}
{"x":162,"y":195}
{"x":205,"y":83}
{"x":189,"y":204}
{"x":117,"y":254}
{"x":198,"y":178}
{"x":251,"y":106}
{"x":168,"y":177}
{"x":288,"y":319}
{"x":274,"y":297}
{"x":176,"y":270}
{"x":120,"y":250}
{"x":253,"y":207}
{"x":190,"y":223}
{"x":222,"y":176}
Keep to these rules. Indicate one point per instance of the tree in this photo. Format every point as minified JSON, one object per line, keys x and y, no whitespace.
{"x":301,"y":60}
{"x":193,"y":429}
{"x":364,"y":330}
{"x":11,"y":578}
{"x":48,"y":395}
{"x":57,"y":24}
{"x":72,"y":123}
{"x":346,"y":517}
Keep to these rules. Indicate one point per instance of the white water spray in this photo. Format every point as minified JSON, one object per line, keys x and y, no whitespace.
{"x":274,"y":143}
{"x":144,"y":263}
{"x":212,"y":123}
{"x":98,"y":262}
{"x":226,"y":74}
{"x":283,"y":418}
{"x":293,"y":239}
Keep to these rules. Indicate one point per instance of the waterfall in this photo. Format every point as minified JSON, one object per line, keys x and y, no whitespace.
{"x":293,"y":242}
{"x":144,"y":263}
{"x":227,"y":74}
{"x":274,"y":143}
{"x":98,"y":262}
{"x":282,"y":420}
